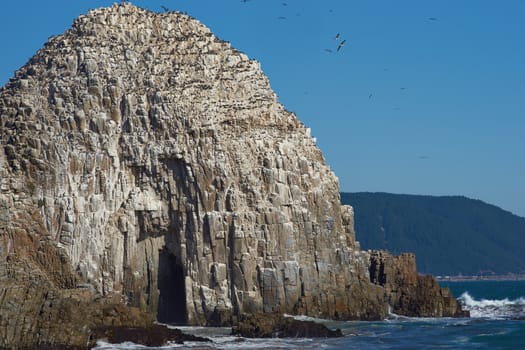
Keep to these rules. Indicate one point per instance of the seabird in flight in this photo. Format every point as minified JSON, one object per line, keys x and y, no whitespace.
{"x":341,"y":44}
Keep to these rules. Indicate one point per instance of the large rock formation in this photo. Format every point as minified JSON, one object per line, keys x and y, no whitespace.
{"x":147,"y":162}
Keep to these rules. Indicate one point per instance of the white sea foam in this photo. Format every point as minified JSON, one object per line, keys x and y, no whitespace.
{"x":101,"y":345}
{"x":224,"y":342}
{"x":221,"y":338}
{"x":307,"y":318}
{"x":498,"y":308}
{"x":395,"y":317}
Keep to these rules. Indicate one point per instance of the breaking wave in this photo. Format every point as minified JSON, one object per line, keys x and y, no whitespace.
{"x":498,"y":308}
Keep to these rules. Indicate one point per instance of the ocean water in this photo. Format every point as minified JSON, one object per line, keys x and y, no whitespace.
{"x":497,"y":322}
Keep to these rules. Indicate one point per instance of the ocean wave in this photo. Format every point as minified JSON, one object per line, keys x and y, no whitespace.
{"x":228,"y":342}
{"x":308,"y":318}
{"x":496,"y":309}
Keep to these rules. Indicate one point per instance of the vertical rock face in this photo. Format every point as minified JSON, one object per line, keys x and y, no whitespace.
{"x":142,"y":157}
{"x":409,"y":293}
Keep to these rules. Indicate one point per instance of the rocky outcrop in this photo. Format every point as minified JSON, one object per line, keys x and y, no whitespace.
{"x":153,"y":336}
{"x":42,"y":302}
{"x":273,"y":325}
{"x":144,"y":162}
{"x":409,"y":293}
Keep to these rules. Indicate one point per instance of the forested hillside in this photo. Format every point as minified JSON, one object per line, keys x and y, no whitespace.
{"x":450,"y":234}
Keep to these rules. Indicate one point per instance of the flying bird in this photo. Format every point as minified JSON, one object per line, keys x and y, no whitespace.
{"x":281,"y":17}
{"x":370,"y":96}
{"x":432,"y":19}
{"x":341,"y":44}
{"x":337,"y":36}
{"x":328,"y":50}
{"x":165,"y":8}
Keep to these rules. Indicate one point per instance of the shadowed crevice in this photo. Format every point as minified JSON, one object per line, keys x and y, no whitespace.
{"x":172,"y":291}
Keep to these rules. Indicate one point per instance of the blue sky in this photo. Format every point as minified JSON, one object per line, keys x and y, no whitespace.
{"x":426,"y":96}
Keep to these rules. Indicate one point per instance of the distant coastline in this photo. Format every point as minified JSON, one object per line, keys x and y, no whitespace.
{"x":450,"y":235}
{"x":461,"y":278}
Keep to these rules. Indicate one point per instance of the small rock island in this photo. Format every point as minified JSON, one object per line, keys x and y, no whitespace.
{"x":149,"y":173}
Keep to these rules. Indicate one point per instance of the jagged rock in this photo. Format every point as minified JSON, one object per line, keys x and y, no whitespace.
{"x":274,"y":325}
{"x":153,"y":336}
{"x":143,"y":158}
{"x":409,"y":293}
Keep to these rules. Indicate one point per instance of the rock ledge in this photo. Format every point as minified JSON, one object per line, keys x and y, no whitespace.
{"x":273,"y":325}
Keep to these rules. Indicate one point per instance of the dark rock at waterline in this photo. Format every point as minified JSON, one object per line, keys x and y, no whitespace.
{"x":151,"y":336}
{"x":272,"y":325}
{"x":156,"y":335}
{"x":48,"y":346}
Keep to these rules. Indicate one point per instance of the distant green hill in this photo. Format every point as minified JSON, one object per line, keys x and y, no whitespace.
{"x":450,"y":235}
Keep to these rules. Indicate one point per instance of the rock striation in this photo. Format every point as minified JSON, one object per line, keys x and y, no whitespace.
{"x":409,"y":293}
{"x":147,"y":168}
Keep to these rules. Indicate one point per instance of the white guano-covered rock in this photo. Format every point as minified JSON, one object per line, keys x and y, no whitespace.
{"x":160,"y":162}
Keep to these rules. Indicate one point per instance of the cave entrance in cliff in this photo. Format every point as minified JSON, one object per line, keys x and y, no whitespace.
{"x":172,"y":291}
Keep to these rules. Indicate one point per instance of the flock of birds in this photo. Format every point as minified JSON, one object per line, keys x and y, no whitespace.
{"x":340,"y":43}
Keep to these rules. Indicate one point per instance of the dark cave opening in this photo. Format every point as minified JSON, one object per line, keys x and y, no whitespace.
{"x":172,"y":291}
